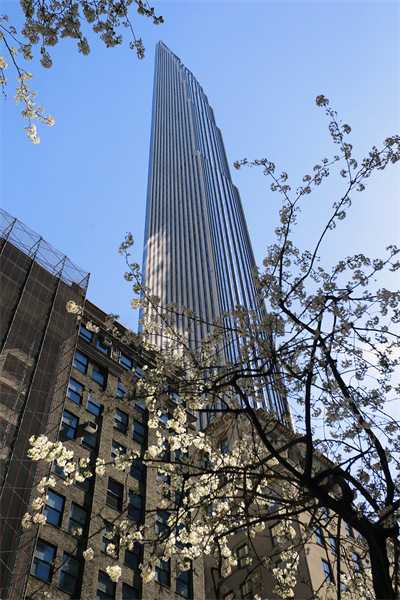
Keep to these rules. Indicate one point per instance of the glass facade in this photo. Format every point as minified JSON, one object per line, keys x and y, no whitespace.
{"x":197,"y":250}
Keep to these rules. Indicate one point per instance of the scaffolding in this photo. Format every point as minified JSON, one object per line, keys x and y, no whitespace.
{"x":37,"y":344}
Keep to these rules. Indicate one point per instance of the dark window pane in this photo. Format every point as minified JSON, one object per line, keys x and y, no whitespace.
{"x":81,"y":362}
{"x":125,"y":361}
{"x":54,"y":507}
{"x":99,"y":374}
{"x":69,"y":576}
{"x":69,"y":425}
{"x":183,"y":583}
{"x":132,"y":557}
{"x":85,"y":333}
{"x":105,"y":587}
{"x":121,"y":391}
{"x":89,"y":440}
{"x":139,"y":432}
{"x":115,"y":493}
{"x":161,"y":521}
{"x":121,"y":420}
{"x":129,"y":593}
{"x":101,"y":345}
{"x":163,"y":572}
{"x":75,"y":391}
{"x":77,"y":520}
{"x":44,"y":556}
{"x":135,"y":506}
{"x":117,"y":449}
{"x":93,"y":407}
{"x":137,"y":470}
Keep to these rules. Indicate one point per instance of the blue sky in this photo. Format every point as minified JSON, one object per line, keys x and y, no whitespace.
{"x":261,"y":65}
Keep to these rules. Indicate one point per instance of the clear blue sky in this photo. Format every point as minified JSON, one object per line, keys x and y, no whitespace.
{"x":261,"y":64}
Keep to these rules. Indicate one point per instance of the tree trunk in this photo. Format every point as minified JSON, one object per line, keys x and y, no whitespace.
{"x":380,"y":567}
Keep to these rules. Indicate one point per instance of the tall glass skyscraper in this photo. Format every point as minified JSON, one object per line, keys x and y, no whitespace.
{"x":197,"y":250}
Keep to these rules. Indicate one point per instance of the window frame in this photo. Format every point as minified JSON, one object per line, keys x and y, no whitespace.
{"x":70,"y":426}
{"x":81,"y":365}
{"x":119,"y":423}
{"x":38,"y":563}
{"x":65,"y":574}
{"x":125,"y":362}
{"x":242,"y":557}
{"x":184,"y":577}
{"x":139,"y":437}
{"x":135,"y":509}
{"x":163,"y":571}
{"x":107,"y":595}
{"x":114,"y":499}
{"x":327,"y":568}
{"x":85,"y":333}
{"x":99,"y":374}
{"x":75,"y":394}
{"x":95,"y":408}
{"x":53,"y":510}
{"x":73,"y":522}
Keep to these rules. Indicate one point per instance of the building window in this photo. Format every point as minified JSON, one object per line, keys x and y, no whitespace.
{"x":135,"y":506}
{"x":183,"y":583}
{"x":115,"y":492}
{"x":333,"y":544}
{"x":116,"y":450}
{"x":121,"y":420}
{"x":93,"y":407}
{"x":121,"y":391}
{"x":43,"y":559}
{"x":125,"y":361}
{"x":327,"y":570}
{"x":86,"y":484}
{"x":77,"y":520}
{"x":70,"y":575}
{"x":357,"y":561}
{"x":139,"y":432}
{"x":85,"y":333}
{"x":319,"y":535}
{"x":89,"y":440}
{"x":224,"y":445}
{"x":69,"y":425}
{"x":54,"y":507}
{"x":349,"y":530}
{"x":247,"y":591}
{"x":81,"y":362}
{"x":132,"y":557}
{"x":103,"y":347}
{"x":75,"y":391}
{"x":140,"y":405}
{"x":163,"y":419}
{"x":242,"y":554}
{"x":129,"y":593}
{"x":110,"y":542}
{"x":58,"y":470}
{"x":161,"y":521}
{"x":99,"y":374}
{"x":140,"y":372}
{"x":163,"y":572}
{"x":274,"y":532}
{"x":137,"y":470}
{"x":105,"y":587}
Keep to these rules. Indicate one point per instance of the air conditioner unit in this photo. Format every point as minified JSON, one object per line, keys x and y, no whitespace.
{"x":91,"y":427}
{"x":107,"y":342}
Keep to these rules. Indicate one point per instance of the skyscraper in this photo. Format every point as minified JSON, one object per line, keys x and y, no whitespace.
{"x":197,"y":250}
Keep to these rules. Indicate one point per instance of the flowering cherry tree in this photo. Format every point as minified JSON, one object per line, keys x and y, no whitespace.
{"x":334,"y":354}
{"x":46,"y":21}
